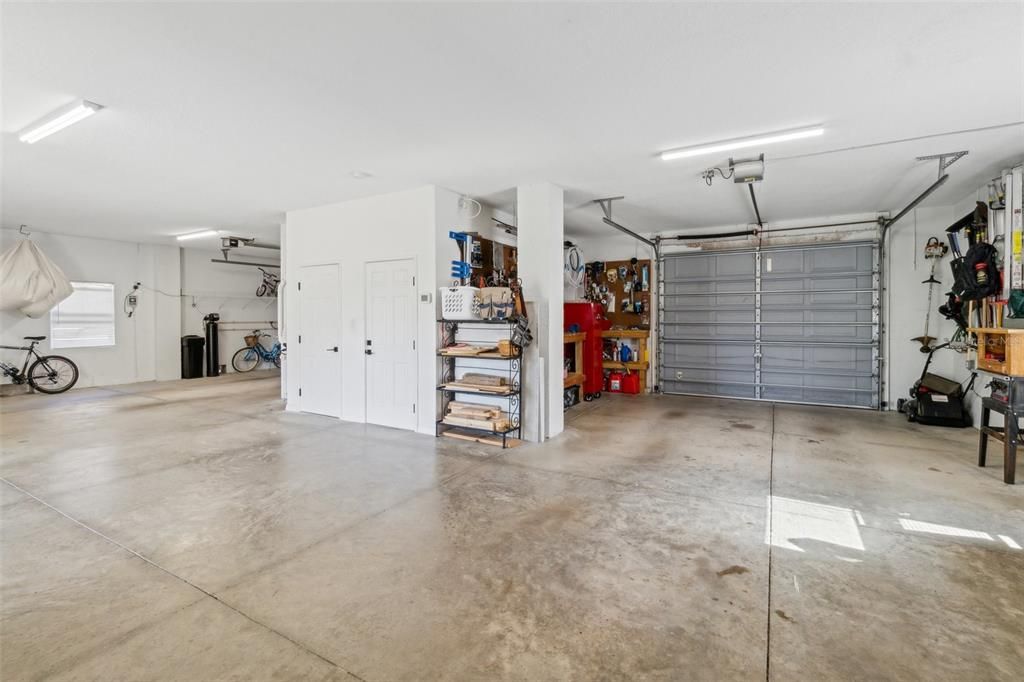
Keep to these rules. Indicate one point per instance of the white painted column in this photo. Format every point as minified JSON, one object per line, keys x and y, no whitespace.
{"x":540,"y":217}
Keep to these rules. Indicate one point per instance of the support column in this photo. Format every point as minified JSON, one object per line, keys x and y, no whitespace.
{"x":540,"y":218}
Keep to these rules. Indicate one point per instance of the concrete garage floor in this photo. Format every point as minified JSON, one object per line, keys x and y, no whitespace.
{"x":194,"y":531}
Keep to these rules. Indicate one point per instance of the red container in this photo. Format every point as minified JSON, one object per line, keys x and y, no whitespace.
{"x":589,"y":317}
{"x":631,"y":383}
{"x":614,"y":382}
{"x":623,"y":382}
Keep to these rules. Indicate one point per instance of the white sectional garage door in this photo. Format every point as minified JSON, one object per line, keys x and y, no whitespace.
{"x":790,"y":324}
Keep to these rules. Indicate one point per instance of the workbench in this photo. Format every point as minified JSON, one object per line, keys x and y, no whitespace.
{"x":1008,"y":402}
{"x":640,"y":366}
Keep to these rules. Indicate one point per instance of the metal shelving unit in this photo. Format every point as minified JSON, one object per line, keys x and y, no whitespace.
{"x":510,"y":367}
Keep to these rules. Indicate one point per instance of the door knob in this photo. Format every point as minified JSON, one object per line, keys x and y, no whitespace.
{"x":335,"y":349}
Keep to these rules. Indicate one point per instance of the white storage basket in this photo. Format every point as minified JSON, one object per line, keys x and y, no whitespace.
{"x":460,"y":303}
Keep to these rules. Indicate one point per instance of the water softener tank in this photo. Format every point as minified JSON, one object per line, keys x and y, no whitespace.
{"x":212,"y":348}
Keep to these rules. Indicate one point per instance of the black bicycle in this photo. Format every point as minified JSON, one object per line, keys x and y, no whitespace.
{"x":48,"y":374}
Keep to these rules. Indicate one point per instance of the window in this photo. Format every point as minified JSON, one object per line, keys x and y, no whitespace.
{"x":85,"y":318}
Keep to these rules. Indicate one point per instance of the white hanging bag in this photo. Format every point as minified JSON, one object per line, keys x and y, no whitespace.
{"x":31,"y":282}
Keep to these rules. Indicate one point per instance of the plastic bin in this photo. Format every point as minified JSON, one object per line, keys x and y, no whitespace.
{"x":460,"y":303}
{"x":192,"y":356}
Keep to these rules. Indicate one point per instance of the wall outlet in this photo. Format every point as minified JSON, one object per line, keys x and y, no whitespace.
{"x":679,"y":374}
{"x":426,"y":298}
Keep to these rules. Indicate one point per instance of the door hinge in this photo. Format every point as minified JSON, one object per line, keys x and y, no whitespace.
{"x":300,"y":286}
{"x":414,"y":344}
{"x":414,"y":408}
{"x":300,"y":392}
{"x":300,"y":338}
{"x":414,"y":280}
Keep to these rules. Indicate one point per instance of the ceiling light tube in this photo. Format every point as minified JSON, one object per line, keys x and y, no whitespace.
{"x":741,"y":143}
{"x":59,"y":120}
{"x":197,"y":235}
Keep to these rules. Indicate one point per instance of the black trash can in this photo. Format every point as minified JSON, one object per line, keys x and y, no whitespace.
{"x":192,"y":356}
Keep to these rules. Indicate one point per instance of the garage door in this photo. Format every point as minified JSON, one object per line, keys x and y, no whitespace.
{"x":790,"y":324}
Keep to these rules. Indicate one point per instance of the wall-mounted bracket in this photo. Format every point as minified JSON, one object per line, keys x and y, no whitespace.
{"x":606,"y":205}
{"x":945,"y":160}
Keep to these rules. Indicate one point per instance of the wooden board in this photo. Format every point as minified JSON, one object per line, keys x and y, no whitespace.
{"x":486,"y":440}
{"x":478,"y":379}
{"x":470,"y":351}
{"x":473,"y":388}
{"x":574,"y":379}
{"x":612,"y":364}
{"x":491,"y":425}
{"x":625,"y":334}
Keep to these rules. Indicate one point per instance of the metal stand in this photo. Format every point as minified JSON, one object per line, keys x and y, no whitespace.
{"x":513,"y":367}
{"x":1011,"y":410}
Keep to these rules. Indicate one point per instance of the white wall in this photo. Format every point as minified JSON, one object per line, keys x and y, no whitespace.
{"x":147,"y":345}
{"x":907,"y":301}
{"x":400,"y":225}
{"x":540,"y":211}
{"x":230,"y":291}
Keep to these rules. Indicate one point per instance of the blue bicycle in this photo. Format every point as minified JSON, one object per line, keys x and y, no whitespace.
{"x":255,"y":353}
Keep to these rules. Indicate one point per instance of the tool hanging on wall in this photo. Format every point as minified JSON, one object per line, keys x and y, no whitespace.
{"x":934,"y":250}
{"x":461,"y":268}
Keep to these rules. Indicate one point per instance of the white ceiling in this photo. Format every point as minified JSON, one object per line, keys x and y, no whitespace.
{"x":226,"y":115}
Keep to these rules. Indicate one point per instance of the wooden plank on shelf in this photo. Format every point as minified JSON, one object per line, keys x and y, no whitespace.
{"x":626,"y":333}
{"x":574,"y":379}
{"x":478,"y":379}
{"x":497,"y":425}
{"x":476,"y":413}
{"x":469,"y":351}
{"x":575,"y":337}
{"x":613,"y":364}
{"x":486,"y":440}
{"x":474,"y":388}
{"x":472,"y":407}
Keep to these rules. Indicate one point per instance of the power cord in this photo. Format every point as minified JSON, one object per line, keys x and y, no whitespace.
{"x":131,"y":300}
{"x":709,"y":175}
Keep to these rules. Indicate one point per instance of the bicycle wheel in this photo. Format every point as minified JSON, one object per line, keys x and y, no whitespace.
{"x":245,"y":359}
{"x":52,"y":374}
{"x":277,"y":361}
{"x":261,"y":290}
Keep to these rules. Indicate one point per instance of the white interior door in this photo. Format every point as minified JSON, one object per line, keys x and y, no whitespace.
{"x":391,"y":343}
{"x":319,"y":339}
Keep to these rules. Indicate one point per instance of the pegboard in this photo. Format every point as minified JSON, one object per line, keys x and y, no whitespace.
{"x":617,"y":288}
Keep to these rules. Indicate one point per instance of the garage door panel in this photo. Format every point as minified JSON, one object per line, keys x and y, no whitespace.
{"x":813,"y":329}
{"x":813,"y":396}
{"x":718,"y":390}
{"x":823,"y":360}
{"x":726,"y":356}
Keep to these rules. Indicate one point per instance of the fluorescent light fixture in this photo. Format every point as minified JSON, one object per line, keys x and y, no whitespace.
{"x":741,"y":143}
{"x":58,"y":120}
{"x":198,"y":235}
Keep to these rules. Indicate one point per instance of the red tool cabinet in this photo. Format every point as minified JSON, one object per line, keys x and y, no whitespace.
{"x":589,"y":317}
